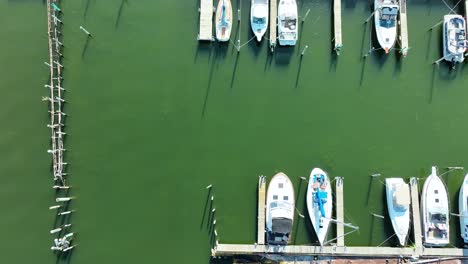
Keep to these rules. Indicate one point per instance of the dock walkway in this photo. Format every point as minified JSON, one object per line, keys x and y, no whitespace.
{"x":339,"y":212}
{"x":403,"y":29}
{"x":206,"y":20}
{"x":273,"y":18}
{"x":416,"y":217}
{"x":261,"y":210}
{"x":337,"y":26}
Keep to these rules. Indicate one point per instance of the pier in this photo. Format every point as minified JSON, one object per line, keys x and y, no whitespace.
{"x":337,"y":26}
{"x":206,"y":20}
{"x":339,"y":212}
{"x":261,"y":210}
{"x":415,"y":213}
{"x":273,"y":18}
{"x":403,"y":29}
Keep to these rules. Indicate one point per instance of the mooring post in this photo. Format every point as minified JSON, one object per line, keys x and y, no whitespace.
{"x":85,"y":31}
{"x":367,"y":20}
{"x":304,"y":50}
{"x":305,"y":16}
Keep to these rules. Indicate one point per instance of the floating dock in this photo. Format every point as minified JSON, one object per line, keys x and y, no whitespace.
{"x":273,"y":18}
{"x":337,"y":26}
{"x":403,"y":29}
{"x":339,"y":211}
{"x":261,"y":210}
{"x":416,"y":215}
{"x":206,"y":20}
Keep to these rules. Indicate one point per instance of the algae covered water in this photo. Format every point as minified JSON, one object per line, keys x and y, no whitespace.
{"x":154,"y":116}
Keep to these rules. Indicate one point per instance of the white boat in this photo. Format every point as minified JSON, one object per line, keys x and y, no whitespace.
{"x":259,"y":18}
{"x":287,"y":22}
{"x":463,"y":209}
{"x":435,"y":211}
{"x":385,"y":17}
{"x":319,"y":202}
{"x":398,"y":201}
{"x":223,"y":20}
{"x":454,"y":38}
{"x":279,"y":210}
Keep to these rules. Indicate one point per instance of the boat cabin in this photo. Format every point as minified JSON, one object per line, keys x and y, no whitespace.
{"x":401,"y":197}
{"x":388,"y":16}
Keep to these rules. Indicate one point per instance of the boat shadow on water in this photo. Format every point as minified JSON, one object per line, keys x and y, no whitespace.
{"x":283,"y":55}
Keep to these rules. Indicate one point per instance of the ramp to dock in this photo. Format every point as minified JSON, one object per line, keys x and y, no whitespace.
{"x":403,"y":29}
{"x":416,"y":215}
{"x":261,"y":210}
{"x":273,"y":20}
{"x":337,"y":25}
{"x":339,"y":212}
{"x":206,"y":20}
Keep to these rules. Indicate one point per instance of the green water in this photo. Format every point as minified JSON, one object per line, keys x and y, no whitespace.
{"x":155,"y":116}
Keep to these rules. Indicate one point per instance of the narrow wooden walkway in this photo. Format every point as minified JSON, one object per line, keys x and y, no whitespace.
{"x":403,"y":29}
{"x":261,"y":210}
{"x":273,"y":20}
{"x":206,"y":20}
{"x":416,"y":217}
{"x":339,"y":212}
{"x":337,"y":26}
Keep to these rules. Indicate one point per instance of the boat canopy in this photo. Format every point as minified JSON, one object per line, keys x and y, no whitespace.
{"x":388,"y":16}
{"x":281,"y":225}
{"x":401,"y":196}
{"x":438,"y":217}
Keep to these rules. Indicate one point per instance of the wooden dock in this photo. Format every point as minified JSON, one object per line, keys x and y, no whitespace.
{"x":339,"y":212}
{"x":403,"y":29}
{"x":206,"y":20}
{"x":337,"y":26}
{"x":261,"y":210}
{"x":273,"y":20}
{"x":416,"y":215}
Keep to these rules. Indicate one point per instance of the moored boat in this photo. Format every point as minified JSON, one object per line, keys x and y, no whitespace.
{"x":287,"y":22}
{"x":398,"y":201}
{"x":435,"y":211}
{"x":259,"y":18}
{"x":279,"y":210}
{"x":223,"y":20}
{"x":385,"y":18}
{"x":319,"y":202}
{"x":454,"y":38}
{"x":463,"y":209}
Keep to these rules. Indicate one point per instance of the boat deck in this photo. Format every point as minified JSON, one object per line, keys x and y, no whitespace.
{"x":403,"y":28}
{"x":337,"y":25}
{"x":261,"y":210}
{"x":273,"y":15}
{"x":206,"y":20}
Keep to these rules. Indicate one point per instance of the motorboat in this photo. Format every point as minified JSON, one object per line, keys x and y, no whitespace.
{"x":319,"y":202}
{"x":223,"y":20}
{"x":385,"y":17}
{"x":454,"y":38}
{"x":287,"y":22}
{"x":435,"y":211}
{"x":279,"y":210}
{"x":463,"y":209}
{"x":398,"y":202}
{"x":259,"y":18}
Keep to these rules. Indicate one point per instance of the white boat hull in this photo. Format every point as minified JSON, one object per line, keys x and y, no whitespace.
{"x":454,"y":38}
{"x":399,"y":216}
{"x":463,"y":209}
{"x":223,"y":24}
{"x":320,"y":223}
{"x":279,"y":210}
{"x":259,"y":18}
{"x":435,"y":211}
{"x":287,"y":22}
{"x":385,"y":14}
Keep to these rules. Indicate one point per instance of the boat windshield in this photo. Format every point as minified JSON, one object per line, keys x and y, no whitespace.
{"x":388,"y":17}
{"x":438,"y":218}
{"x":289,"y":23}
{"x":259,"y":20}
{"x":275,"y":205}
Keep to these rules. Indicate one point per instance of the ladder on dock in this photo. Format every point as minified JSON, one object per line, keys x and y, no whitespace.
{"x":206,"y":20}
{"x":261,"y":210}
{"x":337,"y":26}
{"x":273,"y":20}
{"x":403,"y":29}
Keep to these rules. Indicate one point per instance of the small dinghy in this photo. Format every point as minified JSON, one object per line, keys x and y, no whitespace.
{"x":279,"y":210}
{"x":287,"y":22}
{"x":223,"y":20}
{"x":319,"y":202}
{"x":259,"y":18}
{"x":463,"y":209}
{"x":454,"y":38}
{"x":385,"y":18}
{"x":435,"y":211}
{"x":398,"y":201}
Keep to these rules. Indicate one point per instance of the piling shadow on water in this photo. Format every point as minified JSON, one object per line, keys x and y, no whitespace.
{"x":268,"y":61}
{"x":86,"y":8}
{"x":119,"y":13}
{"x":298,"y":76}
{"x":203,"y":48}
{"x":298,"y":219}
{"x":234,"y":71}
{"x":85,"y":47}
{"x":205,"y":207}
{"x":283,"y":55}
{"x":333,"y":61}
{"x":210,"y":78}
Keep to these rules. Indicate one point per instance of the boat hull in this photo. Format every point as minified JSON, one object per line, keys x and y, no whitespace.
{"x":287,"y":22}
{"x":321,"y":224}
{"x":453,"y":29}
{"x":463,"y":209}
{"x":435,"y":204}
{"x":385,"y":29}
{"x":259,"y":18}
{"x":400,"y":217}
{"x":279,"y":210}
{"x":223,"y":23}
